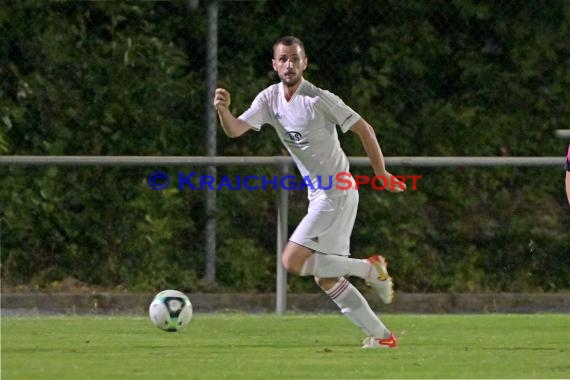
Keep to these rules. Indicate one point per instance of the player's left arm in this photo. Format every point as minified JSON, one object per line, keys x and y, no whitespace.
{"x":372,"y":147}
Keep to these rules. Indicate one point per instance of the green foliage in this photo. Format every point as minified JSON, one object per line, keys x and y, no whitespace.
{"x":244,"y":267}
{"x":102,"y":226}
{"x":433,"y":78}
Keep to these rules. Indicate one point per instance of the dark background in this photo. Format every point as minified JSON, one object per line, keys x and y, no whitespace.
{"x":435,"y":78}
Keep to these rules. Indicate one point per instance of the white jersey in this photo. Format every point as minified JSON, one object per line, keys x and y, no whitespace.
{"x":306,"y":124}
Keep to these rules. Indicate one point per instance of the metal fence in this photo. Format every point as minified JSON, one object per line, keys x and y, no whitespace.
{"x":282,"y":165}
{"x":414,"y":69}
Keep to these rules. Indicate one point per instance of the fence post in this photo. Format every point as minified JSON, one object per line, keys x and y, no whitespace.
{"x":282,"y":234}
{"x":211,"y":140}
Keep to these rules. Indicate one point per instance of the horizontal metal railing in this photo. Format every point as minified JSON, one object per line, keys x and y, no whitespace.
{"x":439,"y":161}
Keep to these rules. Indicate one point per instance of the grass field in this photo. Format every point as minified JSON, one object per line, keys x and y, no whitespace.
{"x":307,"y":346}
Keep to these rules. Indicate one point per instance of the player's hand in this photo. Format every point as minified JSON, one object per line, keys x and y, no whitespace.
{"x":395,"y":185}
{"x":222,"y":98}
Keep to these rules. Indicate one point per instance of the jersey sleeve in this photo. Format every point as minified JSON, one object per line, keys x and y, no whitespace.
{"x":258,"y":113}
{"x":337,"y":111}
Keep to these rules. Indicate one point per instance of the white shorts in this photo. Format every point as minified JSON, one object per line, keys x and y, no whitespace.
{"x":328,"y":225}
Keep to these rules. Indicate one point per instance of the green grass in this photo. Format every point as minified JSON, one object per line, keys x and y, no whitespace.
{"x":313,"y":346}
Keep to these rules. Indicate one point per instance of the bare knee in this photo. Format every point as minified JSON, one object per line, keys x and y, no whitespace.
{"x":294,"y":256}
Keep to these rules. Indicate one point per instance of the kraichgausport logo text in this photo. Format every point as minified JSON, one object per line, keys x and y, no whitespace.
{"x":340,"y":181}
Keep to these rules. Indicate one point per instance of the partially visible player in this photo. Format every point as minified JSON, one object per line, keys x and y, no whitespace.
{"x":305,"y":118}
{"x":568,"y":174}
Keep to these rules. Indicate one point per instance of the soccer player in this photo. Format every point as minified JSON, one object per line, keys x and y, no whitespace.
{"x":568,"y":174}
{"x":305,"y":118}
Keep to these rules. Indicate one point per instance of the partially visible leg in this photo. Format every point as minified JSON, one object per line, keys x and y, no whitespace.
{"x":294,"y":257}
{"x":303,"y":261}
{"x":353,"y":305}
{"x":326,"y":228}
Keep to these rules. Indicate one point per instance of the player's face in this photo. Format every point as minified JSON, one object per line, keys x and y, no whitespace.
{"x":289,"y":62}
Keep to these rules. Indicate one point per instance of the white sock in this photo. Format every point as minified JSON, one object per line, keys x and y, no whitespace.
{"x":355,"y":307}
{"x":327,"y":266}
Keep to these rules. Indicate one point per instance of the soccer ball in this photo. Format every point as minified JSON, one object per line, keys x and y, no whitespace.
{"x":170,"y":310}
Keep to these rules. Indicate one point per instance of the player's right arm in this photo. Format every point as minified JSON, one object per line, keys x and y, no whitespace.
{"x":232,"y":126}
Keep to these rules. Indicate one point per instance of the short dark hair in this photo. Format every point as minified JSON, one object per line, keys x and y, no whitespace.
{"x":288,"y":41}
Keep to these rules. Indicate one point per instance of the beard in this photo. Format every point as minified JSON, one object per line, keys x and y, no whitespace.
{"x":290,"y":81}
